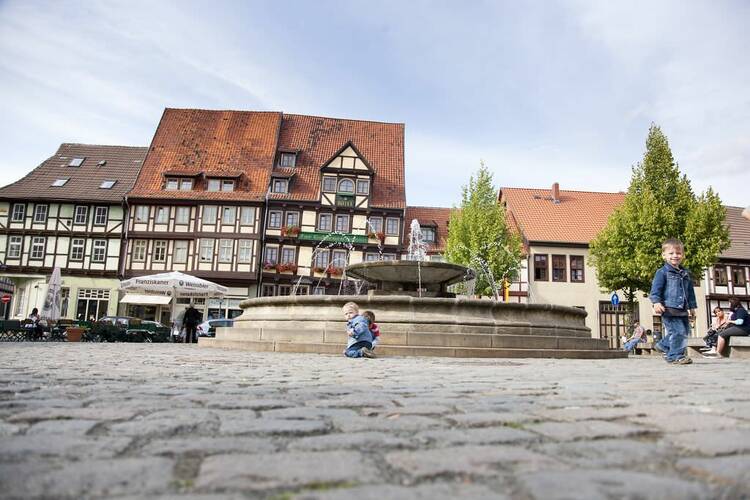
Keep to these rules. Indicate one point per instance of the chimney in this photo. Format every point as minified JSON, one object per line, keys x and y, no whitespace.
{"x":555,"y":193}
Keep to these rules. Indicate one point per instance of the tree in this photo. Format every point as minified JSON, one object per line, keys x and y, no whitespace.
{"x":659,"y":204}
{"x":479,"y":238}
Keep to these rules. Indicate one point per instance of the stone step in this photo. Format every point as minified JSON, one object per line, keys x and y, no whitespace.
{"x":406,"y":350}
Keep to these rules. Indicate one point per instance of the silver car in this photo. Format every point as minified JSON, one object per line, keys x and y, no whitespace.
{"x":208,"y":328}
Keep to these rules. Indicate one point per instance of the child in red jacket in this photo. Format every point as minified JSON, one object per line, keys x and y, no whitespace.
{"x":374,"y":328}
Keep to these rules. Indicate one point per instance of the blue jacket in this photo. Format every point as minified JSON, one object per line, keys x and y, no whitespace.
{"x":673,"y":288}
{"x":361,"y":329}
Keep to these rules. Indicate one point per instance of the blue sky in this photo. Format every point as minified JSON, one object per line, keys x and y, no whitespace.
{"x":542,"y":91}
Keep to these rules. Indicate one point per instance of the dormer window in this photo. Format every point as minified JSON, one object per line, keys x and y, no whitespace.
{"x":288,"y":160}
{"x":428,"y":234}
{"x":172,"y":185}
{"x":346,"y":186}
{"x":76,"y":162}
{"x":107,"y":184}
{"x":176,"y":183}
{"x":280,"y":186}
{"x":363,"y":186}
{"x":220,"y":185}
{"x":60,"y":182}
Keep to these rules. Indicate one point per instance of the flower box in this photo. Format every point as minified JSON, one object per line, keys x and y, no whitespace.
{"x":290,"y":231}
{"x":318,"y":269}
{"x":267,"y":265}
{"x":334,"y":271}
{"x":379,"y":235}
{"x":286,"y":266}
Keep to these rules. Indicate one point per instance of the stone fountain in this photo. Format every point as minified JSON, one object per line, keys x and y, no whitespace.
{"x":418,"y":316}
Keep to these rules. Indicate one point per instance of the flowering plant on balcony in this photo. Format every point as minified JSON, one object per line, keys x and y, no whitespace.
{"x":376,"y":235}
{"x":290,"y":231}
{"x":319,"y":269}
{"x":286,"y":266}
{"x":268,"y":265}
{"x":333,"y":270}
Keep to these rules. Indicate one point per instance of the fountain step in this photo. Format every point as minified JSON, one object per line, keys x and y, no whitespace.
{"x":412,"y":350}
{"x":417,"y":339}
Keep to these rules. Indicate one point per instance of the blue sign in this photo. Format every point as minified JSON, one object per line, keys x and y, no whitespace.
{"x":615,"y":299}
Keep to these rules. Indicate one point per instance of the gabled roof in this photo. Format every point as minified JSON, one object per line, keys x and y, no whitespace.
{"x":211,"y":143}
{"x":437,"y":217}
{"x":121,"y":164}
{"x":343,"y":148}
{"x":576,"y":217}
{"x":739,"y":235}
{"x":317,"y":139}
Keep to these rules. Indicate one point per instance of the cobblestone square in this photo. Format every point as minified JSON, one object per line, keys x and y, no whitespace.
{"x":182,"y":421}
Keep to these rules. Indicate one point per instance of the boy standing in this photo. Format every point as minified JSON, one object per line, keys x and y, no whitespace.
{"x":359,"y":343}
{"x":673,"y":298}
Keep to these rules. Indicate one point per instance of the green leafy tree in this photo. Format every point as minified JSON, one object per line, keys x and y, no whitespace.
{"x":479,"y":237}
{"x":659,"y":204}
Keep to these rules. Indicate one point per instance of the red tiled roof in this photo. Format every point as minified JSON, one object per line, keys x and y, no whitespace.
{"x":739,"y":234}
{"x":218,"y":143}
{"x":317,"y":139}
{"x":577,"y":218}
{"x":121,"y":165}
{"x":437,"y":217}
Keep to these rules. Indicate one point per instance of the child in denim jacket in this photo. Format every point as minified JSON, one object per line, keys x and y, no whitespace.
{"x":359,"y":342}
{"x":673,"y":298}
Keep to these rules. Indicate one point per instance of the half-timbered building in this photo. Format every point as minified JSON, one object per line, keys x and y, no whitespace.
{"x":336,"y":197}
{"x":433,"y":222}
{"x":68,"y":213}
{"x":198,"y":205}
{"x":730,"y":276}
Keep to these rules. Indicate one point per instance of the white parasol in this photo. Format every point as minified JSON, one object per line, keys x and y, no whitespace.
{"x":53,"y":299}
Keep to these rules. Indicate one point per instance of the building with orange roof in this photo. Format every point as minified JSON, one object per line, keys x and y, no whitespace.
{"x":433,"y":222}
{"x":730,"y":276}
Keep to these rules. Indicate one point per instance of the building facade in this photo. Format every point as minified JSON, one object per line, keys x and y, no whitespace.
{"x":730,"y":276}
{"x":68,"y":213}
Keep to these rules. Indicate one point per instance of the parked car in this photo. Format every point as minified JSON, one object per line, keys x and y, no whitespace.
{"x":136,"y":329}
{"x":208,"y":328}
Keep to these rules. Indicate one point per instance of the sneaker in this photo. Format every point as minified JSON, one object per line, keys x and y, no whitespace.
{"x":682,"y":361}
{"x":367,"y":353}
{"x":713,"y":354}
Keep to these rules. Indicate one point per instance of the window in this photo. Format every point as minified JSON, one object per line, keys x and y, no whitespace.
{"x":738,"y":276}
{"x":81,"y":215}
{"x":268,"y":291}
{"x":576,"y":269}
{"x":207,"y":250}
{"x":274,"y":219}
{"x":99,"y":253}
{"x":391,"y":226}
{"x":540,"y":268}
{"x":182,"y":215}
{"x":214,"y":185}
{"x":319,"y":290}
{"x":180,"y":252}
{"x":288,"y":255}
{"x":160,"y":251}
{"x":559,"y":269}
{"x":186,"y":184}
{"x":209,"y":214}
{"x":76,"y":162}
{"x":162,"y":215}
{"x":375,"y":224}
{"x":92,"y":304}
{"x":77,"y":249}
{"x":37,"y":247}
{"x":100,"y":216}
{"x":279,"y":186}
{"x":14,"y":247}
{"x":19,"y":212}
{"x":342,"y":223}
{"x":228,"y":215}
{"x":320,"y":259}
{"x":60,"y":182}
{"x":346,"y":186}
{"x":141,"y":213}
{"x":285,"y":290}
{"x":225,"y":250}
{"x":292,"y":219}
{"x":40,"y":213}
{"x":227,"y":185}
{"x":363,"y":186}
{"x":247,"y":216}
{"x":288,"y":160}
{"x":271,"y":255}
{"x":172,"y":185}
{"x":720,"y":276}
{"x":245,"y":252}
{"x":107,"y":184}
{"x":339,"y":258}
{"x":389,"y":256}
{"x":325,"y":222}
{"x":64,"y":301}
{"x":428,"y":234}
{"x":139,"y":250}
{"x":371,"y":257}
{"x":329,"y":184}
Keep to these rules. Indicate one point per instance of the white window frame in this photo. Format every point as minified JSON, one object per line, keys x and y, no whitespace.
{"x":81,"y":214}
{"x":227,"y":185}
{"x":206,"y":250}
{"x":182,"y":215}
{"x":162,"y":215}
{"x":76,"y":162}
{"x":77,"y":249}
{"x":186,"y":184}
{"x":375,"y":225}
{"x":15,"y":245}
{"x":288,"y":255}
{"x":275,"y":249}
{"x":99,"y":251}
{"x":244,"y":251}
{"x":432,"y":231}
{"x":141,"y":213}
{"x":211,"y":210}
{"x":273,"y":216}
{"x":339,"y":258}
{"x":329,"y":227}
{"x":213,"y":185}
{"x":388,"y":220}
{"x":172,"y":184}
{"x":247,"y":216}
{"x":293,"y":215}
{"x":160,"y":251}
{"x":366,"y":183}
{"x":101,"y":213}
{"x":40,"y":214}
{"x":279,"y":185}
{"x":228,"y":215}
{"x":139,"y":250}
{"x":225,"y":250}
{"x":107,"y":184}
{"x":331,"y":179}
{"x":38,"y":244}
{"x":180,"y":251}
{"x":18,"y":214}
{"x":338,"y":226}
{"x":345,"y":180}
{"x":288,"y":160}
{"x":60,"y":182}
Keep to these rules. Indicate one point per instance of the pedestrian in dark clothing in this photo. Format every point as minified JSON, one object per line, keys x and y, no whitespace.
{"x":191,"y":321}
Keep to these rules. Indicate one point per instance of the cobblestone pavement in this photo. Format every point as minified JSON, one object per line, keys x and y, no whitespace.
{"x":169,"y":421}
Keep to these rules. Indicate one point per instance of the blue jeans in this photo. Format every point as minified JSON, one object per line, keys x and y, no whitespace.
{"x":630,"y":344}
{"x":675,"y":340}
{"x":355,"y":350}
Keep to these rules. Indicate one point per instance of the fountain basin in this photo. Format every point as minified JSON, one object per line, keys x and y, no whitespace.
{"x":450,"y":327}
{"x":404,"y":277}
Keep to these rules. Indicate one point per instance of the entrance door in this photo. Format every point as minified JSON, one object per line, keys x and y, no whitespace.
{"x":614,"y":321}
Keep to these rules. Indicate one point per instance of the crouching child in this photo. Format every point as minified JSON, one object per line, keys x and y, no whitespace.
{"x":359,"y":340}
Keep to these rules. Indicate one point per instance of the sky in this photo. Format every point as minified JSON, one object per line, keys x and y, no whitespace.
{"x":541,"y":91}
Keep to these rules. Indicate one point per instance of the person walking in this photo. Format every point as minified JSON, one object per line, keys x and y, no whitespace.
{"x":191,"y":321}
